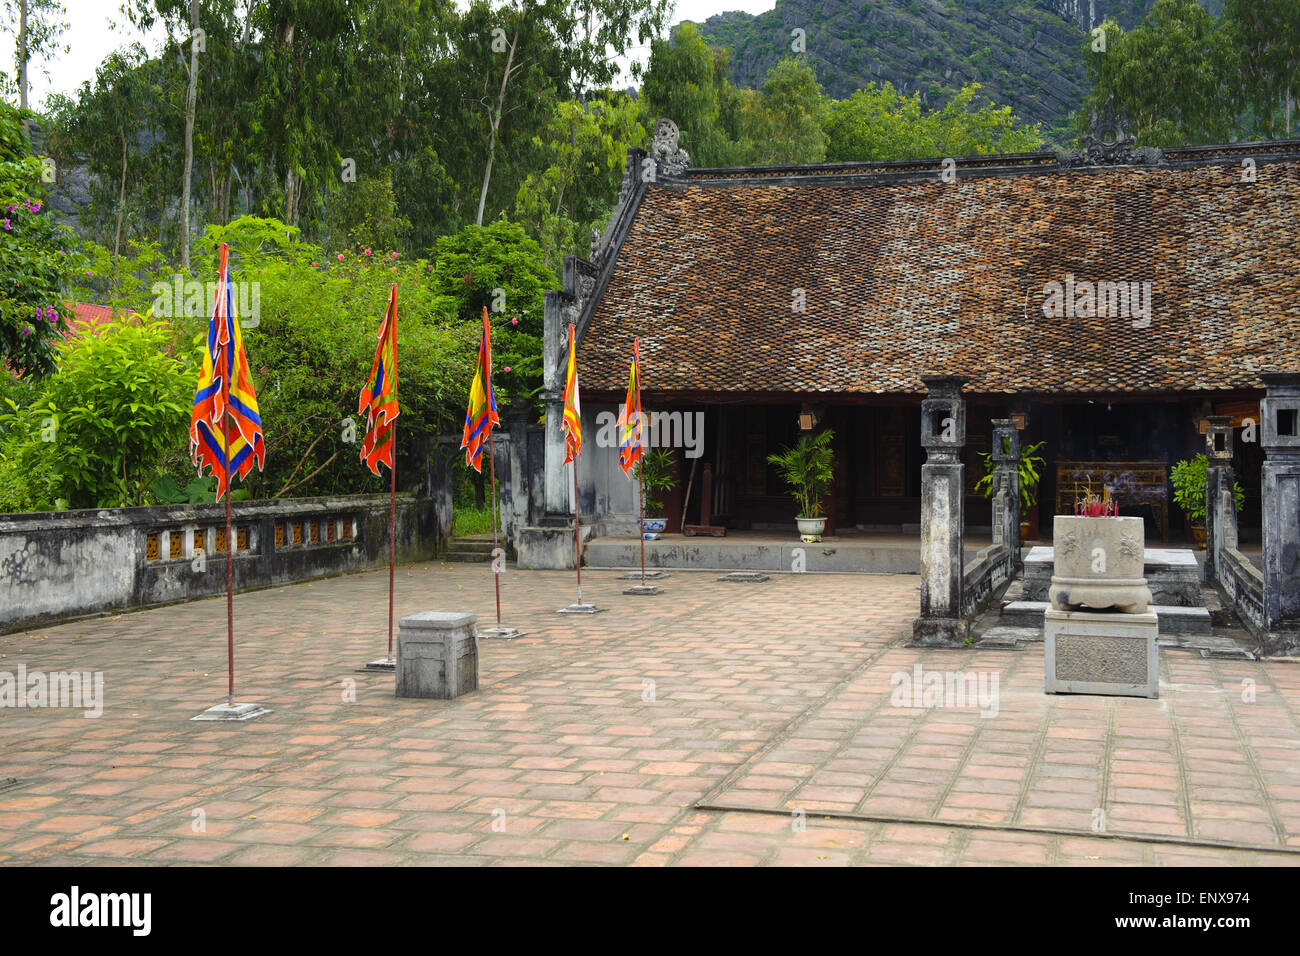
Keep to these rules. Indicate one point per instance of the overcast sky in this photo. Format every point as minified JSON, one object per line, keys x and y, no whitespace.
{"x":91,"y":37}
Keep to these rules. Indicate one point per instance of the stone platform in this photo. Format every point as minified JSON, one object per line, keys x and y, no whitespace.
{"x":1172,"y":574}
{"x":1174,"y":620}
{"x":770,"y":551}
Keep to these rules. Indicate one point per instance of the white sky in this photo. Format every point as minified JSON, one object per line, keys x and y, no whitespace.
{"x":91,"y":37}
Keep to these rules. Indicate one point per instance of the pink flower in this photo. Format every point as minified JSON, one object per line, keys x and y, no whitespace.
{"x":8,"y":227}
{"x":89,"y":273}
{"x":514,"y":321}
{"x":315,"y":264}
{"x":506,"y":369}
{"x":340,"y":257}
{"x":367,"y":252}
{"x":393,"y":255}
{"x":392,"y":268}
{"x":36,"y":207}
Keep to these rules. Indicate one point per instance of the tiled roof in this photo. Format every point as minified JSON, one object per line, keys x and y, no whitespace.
{"x":903,"y":277}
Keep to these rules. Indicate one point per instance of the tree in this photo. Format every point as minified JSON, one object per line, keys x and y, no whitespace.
{"x":1266,"y":37}
{"x":37,"y":26}
{"x":37,"y":256}
{"x":585,"y":150}
{"x":879,"y":123}
{"x":785,"y":123}
{"x":1168,"y":75}
{"x":104,"y":425}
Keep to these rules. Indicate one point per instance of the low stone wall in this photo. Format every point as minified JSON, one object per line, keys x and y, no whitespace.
{"x":1243,"y":586}
{"x":60,"y":565}
{"x":985,"y":578}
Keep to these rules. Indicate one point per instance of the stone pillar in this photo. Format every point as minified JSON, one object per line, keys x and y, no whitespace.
{"x":1220,"y":526}
{"x":554,"y":343}
{"x":1006,"y":455}
{"x":437,"y":655}
{"x":1280,"y":438}
{"x":943,"y":434}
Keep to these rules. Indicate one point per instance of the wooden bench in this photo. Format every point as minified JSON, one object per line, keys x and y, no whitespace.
{"x":1132,"y":482}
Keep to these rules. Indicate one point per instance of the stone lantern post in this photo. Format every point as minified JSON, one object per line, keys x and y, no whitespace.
{"x":1220,"y":520}
{"x":1006,"y":517}
{"x":1280,"y":438}
{"x":943,"y":434}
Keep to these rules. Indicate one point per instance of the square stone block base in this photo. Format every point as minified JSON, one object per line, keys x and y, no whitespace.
{"x":437,"y":655}
{"x":938,"y":632}
{"x":1113,"y":655}
{"x":235,"y":711}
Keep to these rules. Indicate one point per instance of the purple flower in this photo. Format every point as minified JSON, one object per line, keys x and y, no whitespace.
{"x":27,"y":330}
{"x":8,"y":227}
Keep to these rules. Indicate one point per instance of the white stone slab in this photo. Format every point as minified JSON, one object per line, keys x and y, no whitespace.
{"x":1113,"y":655}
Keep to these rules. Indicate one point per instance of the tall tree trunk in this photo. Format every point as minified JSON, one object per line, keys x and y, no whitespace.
{"x":292,"y":187}
{"x":191,"y":98}
{"x":22,"y":60}
{"x":121,"y":203}
{"x":495,"y":121}
{"x":22,"y":54}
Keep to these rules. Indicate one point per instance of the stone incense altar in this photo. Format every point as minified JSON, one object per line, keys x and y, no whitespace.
{"x":1099,"y":635}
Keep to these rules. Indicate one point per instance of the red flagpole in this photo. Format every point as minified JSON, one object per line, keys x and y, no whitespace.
{"x":577,"y":532}
{"x":496,"y":575}
{"x":392,"y":490}
{"x":230,"y":564}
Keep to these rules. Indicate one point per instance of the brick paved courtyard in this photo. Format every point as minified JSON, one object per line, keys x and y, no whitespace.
{"x":681,"y":729}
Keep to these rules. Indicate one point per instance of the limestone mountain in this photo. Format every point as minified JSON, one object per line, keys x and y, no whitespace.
{"x":1026,"y":53}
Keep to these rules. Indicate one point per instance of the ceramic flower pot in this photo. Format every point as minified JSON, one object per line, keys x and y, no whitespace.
{"x":1098,"y":564}
{"x":652,"y":528}
{"x":810,"y":529}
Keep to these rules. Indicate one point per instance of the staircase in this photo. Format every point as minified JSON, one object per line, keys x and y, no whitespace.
{"x":477,"y":549}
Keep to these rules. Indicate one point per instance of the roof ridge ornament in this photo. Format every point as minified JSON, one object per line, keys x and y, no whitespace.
{"x":671,"y":159}
{"x":1110,"y":141}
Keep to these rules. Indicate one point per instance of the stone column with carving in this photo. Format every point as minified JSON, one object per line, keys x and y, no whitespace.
{"x":554,"y":342}
{"x":1006,"y":456}
{"x":943,"y":434}
{"x":1220,"y":527}
{"x":1280,"y":438}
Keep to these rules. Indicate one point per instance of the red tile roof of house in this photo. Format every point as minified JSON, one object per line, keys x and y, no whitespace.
{"x":904,"y":275}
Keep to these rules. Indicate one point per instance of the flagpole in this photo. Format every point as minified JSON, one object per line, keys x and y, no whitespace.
{"x":496,"y":574}
{"x":640,"y":524}
{"x":577,"y":533}
{"x":392,"y":489}
{"x":230,"y":564}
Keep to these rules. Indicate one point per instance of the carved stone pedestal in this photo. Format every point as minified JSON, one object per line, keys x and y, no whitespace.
{"x":1110,"y":654}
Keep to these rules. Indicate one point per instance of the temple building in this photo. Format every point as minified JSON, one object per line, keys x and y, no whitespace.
{"x":1109,"y":299}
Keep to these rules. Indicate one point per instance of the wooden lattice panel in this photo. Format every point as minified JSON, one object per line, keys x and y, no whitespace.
{"x":220,"y":546}
{"x":297,"y":532}
{"x":279,"y":534}
{"x":241,"y":538}
{"x":198,"y":540}
{"x":314,"y":532}
{"x":331,"y":529}
{"x":347,"y":529}
{"x":153,"y":546}
{"x":176,"y":545}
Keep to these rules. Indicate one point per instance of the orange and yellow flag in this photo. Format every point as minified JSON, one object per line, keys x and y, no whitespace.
{"x":379,"y":394}
{"x":482,"y":412}
{"x":629,"y":419}
{"x":225,"y":388}
{"x":572,"y":424}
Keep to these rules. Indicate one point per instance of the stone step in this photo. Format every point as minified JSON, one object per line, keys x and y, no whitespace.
{"x":471,"y":544}
{"x":473,"y":557}
{"x":1185,"y":621}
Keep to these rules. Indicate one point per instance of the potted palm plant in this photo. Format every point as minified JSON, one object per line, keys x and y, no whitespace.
{"x":657,"y":473}
{"x":807,"y":467}
{"x":1029,"y":465}
{"x":1188,"y":479}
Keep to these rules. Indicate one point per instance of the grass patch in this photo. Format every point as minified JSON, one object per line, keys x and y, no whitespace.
{"x":471,"y":521}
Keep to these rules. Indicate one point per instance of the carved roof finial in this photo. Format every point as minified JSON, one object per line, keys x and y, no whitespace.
{"x":672,"y":159}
